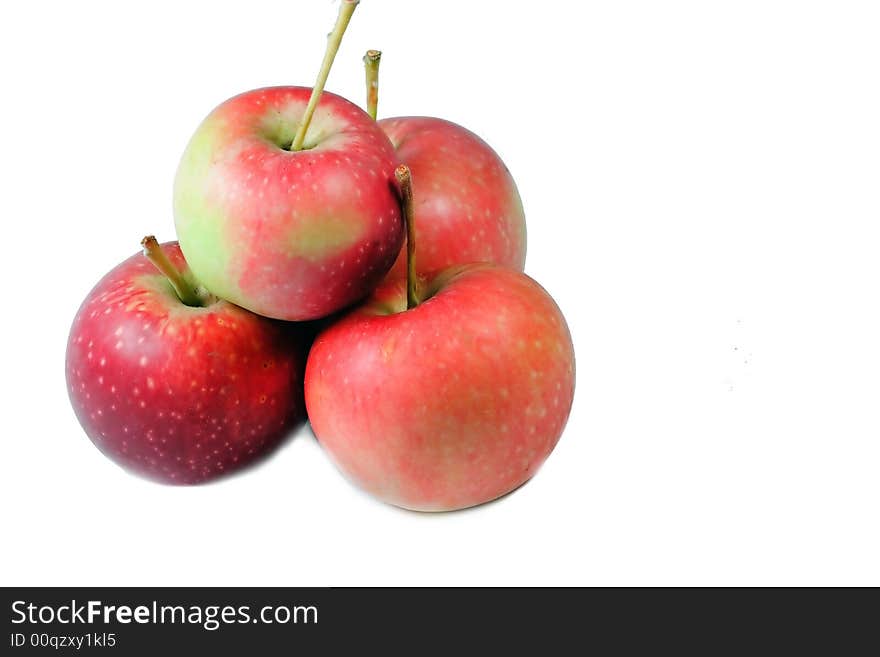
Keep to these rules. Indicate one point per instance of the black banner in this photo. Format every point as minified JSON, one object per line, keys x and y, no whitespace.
{"x":146,"y":621}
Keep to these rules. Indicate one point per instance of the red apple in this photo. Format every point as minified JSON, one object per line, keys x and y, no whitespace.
{"x":179,"y":393}
{"x":449,"y":404}
{"x":467,"y":206}
{"x":284,"y":199}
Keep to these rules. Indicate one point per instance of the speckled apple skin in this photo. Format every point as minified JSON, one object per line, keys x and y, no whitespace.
{"x":290,"y":235}
{"x":175,"y":393}
{"x":467,"y":207}
{"x":448,"y":405}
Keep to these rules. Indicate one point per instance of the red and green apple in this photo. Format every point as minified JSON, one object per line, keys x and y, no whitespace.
{"x":284,"y":199}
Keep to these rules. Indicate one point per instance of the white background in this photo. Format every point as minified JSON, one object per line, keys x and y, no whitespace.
{"x":701,"y":189}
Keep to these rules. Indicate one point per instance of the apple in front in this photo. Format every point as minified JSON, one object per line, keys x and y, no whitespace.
{"x":180,"y":394}
{"x":293,"y":235}
{"x":452,"y":403}
{"x":467,"y":207}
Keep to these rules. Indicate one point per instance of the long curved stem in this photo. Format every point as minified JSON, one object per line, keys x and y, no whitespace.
{"x":404,"y":179}
{"x":346,"y":9}
{"x":371,"y":67}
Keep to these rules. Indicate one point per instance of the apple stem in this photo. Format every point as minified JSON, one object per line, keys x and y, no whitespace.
{"x":371,"y":66}
{"x":404,"y":179}
{"x":346,"y":10}
{"x":184,"y":290}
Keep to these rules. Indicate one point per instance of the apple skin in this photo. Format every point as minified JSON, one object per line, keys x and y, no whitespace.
{"x":467,"y":206}
{"x":176,"y":393}
{"x":290,"y":235}
{"x":452,"y":403}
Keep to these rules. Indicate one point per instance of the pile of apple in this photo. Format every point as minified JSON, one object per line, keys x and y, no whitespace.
{"x":448,"y":376}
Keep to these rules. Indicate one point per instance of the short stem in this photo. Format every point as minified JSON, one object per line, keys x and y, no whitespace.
{"x":371,"y":66}
{"x":404,"y":179}
{"x":157,"y":256}
{"x":333,"y":40}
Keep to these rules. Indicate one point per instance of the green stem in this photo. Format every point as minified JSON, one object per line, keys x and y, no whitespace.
{"x":156,"y":255}
{"x":346,"y":9}
{"x":404,"y":179}
{"x":371,"y":66}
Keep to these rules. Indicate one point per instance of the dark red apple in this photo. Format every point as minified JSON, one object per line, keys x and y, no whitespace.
{"x":179,"y":392}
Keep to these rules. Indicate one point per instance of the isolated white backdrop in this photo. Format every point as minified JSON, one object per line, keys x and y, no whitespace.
{"x":701,"y":188}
